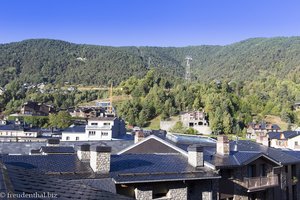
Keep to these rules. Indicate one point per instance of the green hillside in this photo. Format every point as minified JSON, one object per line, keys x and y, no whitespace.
{"x":43,"y":60}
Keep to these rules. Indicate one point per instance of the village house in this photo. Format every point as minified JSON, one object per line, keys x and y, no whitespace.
{"x":285,"y":139}
{"x":255,"y":130}
{"x":194,"y":119}
{"x":87,"y":112}
{"x":32,"y":108}
{"x":16,"y":130}
{"x":99,"y":128}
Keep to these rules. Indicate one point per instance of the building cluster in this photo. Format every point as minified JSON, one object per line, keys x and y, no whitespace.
{"x":197,"y":120}
{"x":271,"y":135}
{"x":154,"y":167}
{"x":95,"y":129}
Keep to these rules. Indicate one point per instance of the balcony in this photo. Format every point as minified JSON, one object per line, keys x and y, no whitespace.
{"x":259,"y":183}
{"x":106,"y":127}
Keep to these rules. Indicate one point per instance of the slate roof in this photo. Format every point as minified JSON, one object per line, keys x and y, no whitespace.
{"x":287,"y":134}
{"x":57,"y":149}
{"x":30,"y":182}
{"x":75,"y":129}
{"x":263,"y":126}
{"x":247,"y":151}
{"x":26,"y":147}
{"x":67,"y":163}
{"x":130,"y":168}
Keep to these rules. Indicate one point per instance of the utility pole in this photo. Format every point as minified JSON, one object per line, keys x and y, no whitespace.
{"x":188,"y":69}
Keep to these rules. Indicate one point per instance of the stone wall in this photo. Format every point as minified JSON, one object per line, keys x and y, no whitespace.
{"x":203,"y":190}
{"x":100,"y":162}
{"x":142,"y":193}
{"x":177,"y":193}
{"x":83,"y":155}
{"x":167,"y":125}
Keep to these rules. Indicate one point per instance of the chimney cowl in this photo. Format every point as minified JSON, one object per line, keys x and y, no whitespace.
{"x":196,"y":148}
{"x":103,"y":149}
{"x":53,"y":141}
{"x":85,"y":147}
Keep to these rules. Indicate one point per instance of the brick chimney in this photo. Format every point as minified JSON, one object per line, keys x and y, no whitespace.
{"x":138,"y":136}
{"x":223,"y":145}
{"x":195,"y":155}
{"x":83,"y":152}
{"x":53,"y":142}
{"x":100,"y":159}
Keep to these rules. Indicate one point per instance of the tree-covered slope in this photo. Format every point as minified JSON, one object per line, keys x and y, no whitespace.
{"x":43,"y":60}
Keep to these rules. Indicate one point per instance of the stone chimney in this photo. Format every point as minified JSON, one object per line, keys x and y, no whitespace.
{"x":53,"y":142}
{"x":83,"y":152}
{"x":223,"y":145}
{"x":195,"y":155}
{"x":138,"y":136}
{"x":100,"y":159}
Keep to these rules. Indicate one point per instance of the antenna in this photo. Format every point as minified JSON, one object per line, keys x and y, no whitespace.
{"x":149,"y":62}
{"x":188,"y":69}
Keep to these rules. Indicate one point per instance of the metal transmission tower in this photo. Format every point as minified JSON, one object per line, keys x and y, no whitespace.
{"x":188,"y":69}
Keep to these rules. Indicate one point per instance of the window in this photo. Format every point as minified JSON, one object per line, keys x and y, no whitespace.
{"x":106,"y":124}
{"x":94,"y":124}
{"x":251,"y":170}
{"x":262,"y":170}
{"x":77,"y":138}
{"x":104,"y":133}
{"x":296,"y":143}
{"x":92,"y":132}
{"x":67,"y":138}
{"x":160,"y":192}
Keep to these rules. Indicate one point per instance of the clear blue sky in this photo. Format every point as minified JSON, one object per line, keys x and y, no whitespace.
{"x":148,"y":22}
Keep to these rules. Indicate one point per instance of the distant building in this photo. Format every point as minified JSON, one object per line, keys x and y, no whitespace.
{"x":285,"y":140}
{"x":100,"y":128}
{"x":87,"y":112}
{"x":296,"y":106}
{"x":17,"y":131}
{"x":36,"y":109}
{"x":196,"y":120}
{"x":107,"y":106}
{"x":2,"y":90}
{"x":255,"y":130}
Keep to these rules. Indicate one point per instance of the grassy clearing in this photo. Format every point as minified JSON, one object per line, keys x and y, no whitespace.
{"x":154,"y":124}
{"x":276,"y":120}
{"x":116,"y":100}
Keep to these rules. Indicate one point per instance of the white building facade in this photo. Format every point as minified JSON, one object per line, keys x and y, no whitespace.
{"x":97,"y":129}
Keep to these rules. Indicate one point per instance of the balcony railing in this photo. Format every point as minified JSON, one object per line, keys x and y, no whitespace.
{"x":259,"y":183}
{"x":98,"y":127}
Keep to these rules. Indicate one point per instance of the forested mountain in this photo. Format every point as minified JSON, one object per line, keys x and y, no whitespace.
{"x":43,"y":60}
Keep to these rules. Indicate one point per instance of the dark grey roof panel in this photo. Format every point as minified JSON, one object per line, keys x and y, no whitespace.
{"x":47,"y":163}
{"x":31,"y":182}
{"x":127,"y":168}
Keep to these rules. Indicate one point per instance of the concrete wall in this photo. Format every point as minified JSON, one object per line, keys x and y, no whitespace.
{"x":167,"y":125}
